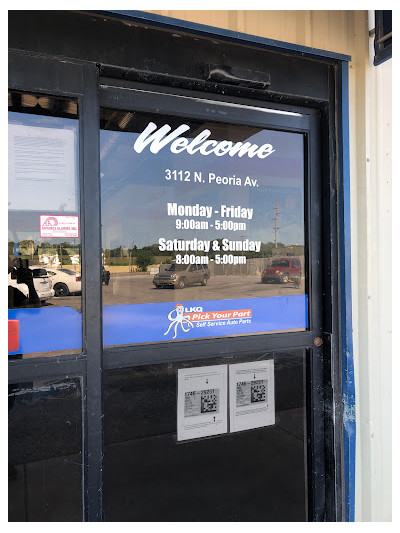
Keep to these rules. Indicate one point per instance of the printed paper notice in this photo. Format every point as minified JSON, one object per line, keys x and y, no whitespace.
{"x":42,"y":168}
{"x":202,"y":401}
{"x":56,"y":226}
{"x":251,"y":395}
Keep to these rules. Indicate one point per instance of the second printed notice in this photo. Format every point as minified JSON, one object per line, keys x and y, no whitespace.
{"x":251,"y":395}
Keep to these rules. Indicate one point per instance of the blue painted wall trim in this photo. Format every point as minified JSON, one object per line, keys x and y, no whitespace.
{"x":346,"y":324}
{"x":229,"y":35}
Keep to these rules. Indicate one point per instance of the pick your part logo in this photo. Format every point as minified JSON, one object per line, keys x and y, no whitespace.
{"x":196,"y":317}
{"x":179,"y":318}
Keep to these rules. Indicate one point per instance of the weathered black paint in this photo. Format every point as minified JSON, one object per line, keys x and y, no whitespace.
{"x":148,"y":51}
{"x":64,"y":53}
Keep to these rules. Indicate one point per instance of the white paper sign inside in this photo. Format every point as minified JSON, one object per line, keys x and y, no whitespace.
{"x":202,"y":401}
{"x":42,"y":169}
{"x":251,"y":396}
{"x":56,"y":226}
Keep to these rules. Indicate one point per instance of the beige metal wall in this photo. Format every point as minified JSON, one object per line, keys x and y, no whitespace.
{"x":328,"y":30}
{"x":370,"y":159}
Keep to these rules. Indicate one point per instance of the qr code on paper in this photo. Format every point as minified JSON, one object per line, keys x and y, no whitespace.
{"x":258,"y":391}
{"x":201,"y":402}
{"x":209,"y":401}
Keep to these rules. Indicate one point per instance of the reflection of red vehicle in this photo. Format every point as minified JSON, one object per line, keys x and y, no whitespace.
{"x":282,"y":270}
{"x":13,"y":335}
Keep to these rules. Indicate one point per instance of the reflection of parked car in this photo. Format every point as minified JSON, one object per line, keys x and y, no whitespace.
{"x":41,"y":282}
{"x":282,"y":270}
{"x":105,"y":277}
{"x":65,"y":281}
{"x":178,"y":276}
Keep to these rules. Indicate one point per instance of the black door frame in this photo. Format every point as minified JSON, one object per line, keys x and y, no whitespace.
{"x":37,"y":73}
{"x":78,"y":80}
{"x":127,"y":96}
{"x":124,"y":95}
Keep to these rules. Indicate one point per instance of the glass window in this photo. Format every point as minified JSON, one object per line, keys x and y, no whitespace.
{"x":179,"y":194}
{"x":246,"y":476}
{"x":45,"y":451}
{"x":43,"y":226}
{"x":383,"y":36}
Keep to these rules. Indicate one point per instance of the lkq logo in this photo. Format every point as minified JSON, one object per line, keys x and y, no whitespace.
{"x":157,"y":139}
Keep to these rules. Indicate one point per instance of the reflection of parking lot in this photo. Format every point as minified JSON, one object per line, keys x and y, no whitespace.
{"x":137,"y":289}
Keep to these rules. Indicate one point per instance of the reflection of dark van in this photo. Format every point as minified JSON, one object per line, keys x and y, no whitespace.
{"x":282,"y":270}
{"x":178,"y":276}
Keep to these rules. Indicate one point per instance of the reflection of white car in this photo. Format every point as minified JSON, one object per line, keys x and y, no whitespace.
{"x":40,"y":280}
{"x":65,"y":281}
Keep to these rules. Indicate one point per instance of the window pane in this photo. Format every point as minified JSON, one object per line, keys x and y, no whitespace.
{"x":246,"y":476}
{"x":45,"y":451}
{"x":43,"y":226}
{"x":177,"y":194}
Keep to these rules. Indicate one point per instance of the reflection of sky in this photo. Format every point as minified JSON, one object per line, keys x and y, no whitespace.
{"x":135,"y":193}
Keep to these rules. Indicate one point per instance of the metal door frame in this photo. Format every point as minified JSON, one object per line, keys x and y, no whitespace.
{"x":79,"y":80}
{"x":130,"y":96}
{"x":39,"y":73}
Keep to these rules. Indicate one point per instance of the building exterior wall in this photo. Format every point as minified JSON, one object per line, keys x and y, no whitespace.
{"x":370,"y":159}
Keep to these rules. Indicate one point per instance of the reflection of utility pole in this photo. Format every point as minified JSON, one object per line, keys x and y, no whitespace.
{"x":131,"y":257}
{"x":276,"y":224}
{"x":242,"y":239}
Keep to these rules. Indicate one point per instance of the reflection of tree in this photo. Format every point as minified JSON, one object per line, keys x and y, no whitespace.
{"x":27,"y":247}
{"x":67,"y":253}
{"x":121,"y":256}
{"x":147,"y":255}
{"x":153,"y":249}
{"x":11,"y":248}
{"x":265,"y":250}
{"x":144,"y":258}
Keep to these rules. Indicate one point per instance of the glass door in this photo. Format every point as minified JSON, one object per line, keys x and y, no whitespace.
{"x":211,"y":305}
